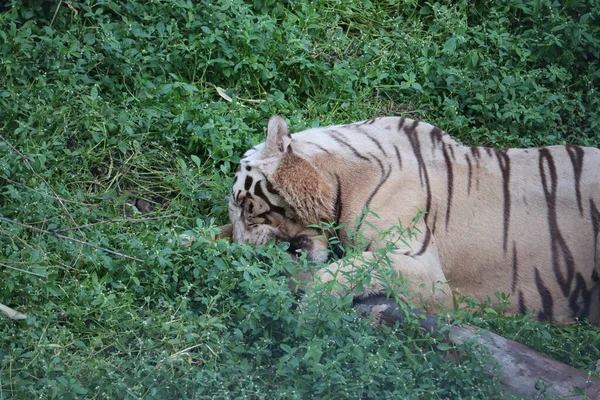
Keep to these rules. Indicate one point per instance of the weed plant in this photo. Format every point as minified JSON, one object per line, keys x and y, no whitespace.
{"x":121,"y":123}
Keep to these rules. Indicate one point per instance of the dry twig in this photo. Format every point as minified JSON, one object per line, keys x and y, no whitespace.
{"x":24,"y":271}
{"x":10,"y":313}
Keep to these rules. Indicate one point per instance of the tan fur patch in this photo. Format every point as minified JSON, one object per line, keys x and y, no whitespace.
{"x":304,"y":189}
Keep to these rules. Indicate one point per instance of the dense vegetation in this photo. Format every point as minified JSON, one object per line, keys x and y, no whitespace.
{"x":122,"y":122}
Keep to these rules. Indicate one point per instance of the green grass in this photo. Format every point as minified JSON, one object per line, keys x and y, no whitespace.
{"x":122,"y":124}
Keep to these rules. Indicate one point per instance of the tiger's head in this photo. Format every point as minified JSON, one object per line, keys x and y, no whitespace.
{"x":277,"y":194}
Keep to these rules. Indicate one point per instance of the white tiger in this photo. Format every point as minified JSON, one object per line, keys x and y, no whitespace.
{"x":520,"y":221}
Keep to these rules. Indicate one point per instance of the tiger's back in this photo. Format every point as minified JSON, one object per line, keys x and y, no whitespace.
{"x":532,"y":229}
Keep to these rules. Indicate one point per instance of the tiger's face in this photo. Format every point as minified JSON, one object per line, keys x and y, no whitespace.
{"x":258,"y":214}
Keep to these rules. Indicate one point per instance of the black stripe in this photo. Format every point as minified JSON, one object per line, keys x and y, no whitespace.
{"x":596,"y":228}
{"x":515,"y":268}
{"x":580,"y":299}
{"x":522,"y":308}
{"x":436,"y":136}
{"x":271,"y":189}
{"x":450,"y":175}
{"x":470,"y":173}
{"x":384,"y":178}
{"x":576,"y":154}
{"x":398,"y":157}
{"x":246,"y":156}
{"x":338,"y":205}
{"x":413,"y":138}
{"x":558,"y":245}
{"x":243,"y":213}
{"x":318,"y":146}
{"x":416,"y":147}
{"x":381,"y":182}
{"x":338,"y":247}
{"x":546,"y":297}
{"x":433,"y":225}
{"x":258,"y":192}
{"x":401,"y":124}
{"x":377,"y":144}
{"x":477,"y":157}
{"x":248,"y":183}
{"x":343,"y":141}
{"x":504,"y":164}
{"x":374,"y":157}
{"x":426,"y":241}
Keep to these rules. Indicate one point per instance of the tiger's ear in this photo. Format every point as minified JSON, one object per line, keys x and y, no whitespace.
{"x":278,"y":137}
{"x":295,"y":178}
